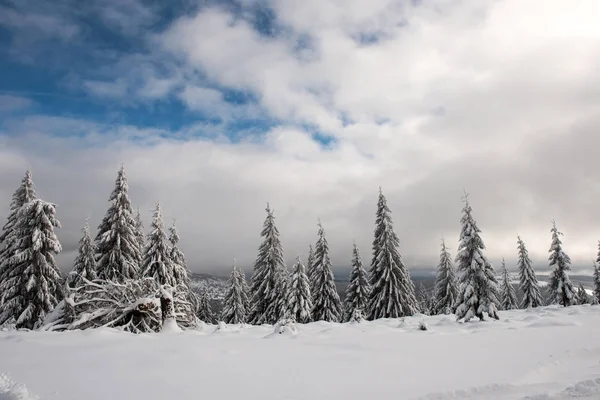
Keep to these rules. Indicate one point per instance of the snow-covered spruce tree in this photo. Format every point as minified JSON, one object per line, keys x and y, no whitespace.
{"x":392,"y":290}
{"x":265,"y":283}
{"x":282,"y":290}
{"x":185,"y":300}
{"x":582,"y":296}
{"x":424,"y":299}
{"x":597,"y":282}
{"x":530,"y":287}
{"x":325,"y":298}
{"x":561,"y":287}
{"x":139,"y":233}
{"x":24,"y":194}
{"x":205,"y":312}
{"x":157,"y":262}
{"x":446,"y":286}
{"x":508,"y":294}
{"x":299,"y":296}
{"x":117,"y":243}
{"x":32,"y":284}
{"x":310,"y":271}
{"x":84,"y":266}
{"x":180,"y":270}
{"x":234,"y":304}
{"x":357,"y":291}
{"x":478,"y":291}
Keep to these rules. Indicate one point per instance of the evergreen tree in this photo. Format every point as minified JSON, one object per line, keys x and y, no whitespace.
{"x":265,"y":286}
{"x":561,"y":287}
{"x":530,"y":287}
{"x":357,"y":291}
{"x":23,"y":195}
{"x":246,"y":290}
{"x":424,"y":299}
{"x":478,"y":284}
{"x":234,"y":304}
{"x":181,"y":274}
{"x":139,"y":233}
{"x":299,"y":296}
{"x":310,"y":270}
{"x":446,"y":287}
{"x":157,"y":262}
{"x":597,"y":280}
{"x":582,"y":297}
{"x":205,"y":312}
{"x":507,"y":294}
{"x":326,"y":301}
{"x":117,"y":244}
{"x":84,"y":266}
{"x":392,"y":290}
{"x":31,"y":287}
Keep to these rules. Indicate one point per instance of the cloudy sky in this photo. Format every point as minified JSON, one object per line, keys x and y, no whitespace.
{"x":216,"y":107}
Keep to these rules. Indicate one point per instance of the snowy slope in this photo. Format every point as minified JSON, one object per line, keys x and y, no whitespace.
{"x":548,"y":353}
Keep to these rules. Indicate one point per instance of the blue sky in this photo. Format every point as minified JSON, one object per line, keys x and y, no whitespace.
{"x":216,"y":107}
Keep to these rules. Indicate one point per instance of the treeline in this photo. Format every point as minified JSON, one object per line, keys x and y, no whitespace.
{"x":140,"y":283}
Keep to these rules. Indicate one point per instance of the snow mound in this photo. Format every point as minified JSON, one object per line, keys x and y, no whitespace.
{"x":221,"y":328}
{"x":170,"y":326}
{"x":285,"y":327}
{"x":10,"y":390}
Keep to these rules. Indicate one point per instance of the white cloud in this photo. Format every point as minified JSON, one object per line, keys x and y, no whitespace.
{"x":498,"y":97}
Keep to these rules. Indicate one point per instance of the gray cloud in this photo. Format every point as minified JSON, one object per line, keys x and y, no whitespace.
{"x":495,"y":98}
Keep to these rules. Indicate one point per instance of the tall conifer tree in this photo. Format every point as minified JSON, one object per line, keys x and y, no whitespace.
{"x":358,"y":289}
{"x":446,"y":286}
{"x":478,"y":291}
{"x":392,"y":290}
{"x":157,"y":262}
{"x":507,"y":294}
{"x":597,"y":282}
{"x":561,"y":287}
{"x":117,"y":244}
{"x":265,"y":284}
{"x":235,"y":301}
{"x":299,"y":296}
{"x":532,"y":296}
{"x":23,"y":195}
{"x":31,"y":286}
{"x":84,"y":266}
{"x":326,"y":301}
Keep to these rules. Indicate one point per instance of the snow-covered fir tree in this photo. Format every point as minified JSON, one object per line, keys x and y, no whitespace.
{"x":478,"y":291}
{"x":84,"y":266}
{"x":24,"y":194}
{"x":282,"y":293}
{"x":205,"y":312}
{"x":358,"y":289}
{"x":392,"y":290}
{"x":310,"y":271}
{"x":185,"y":300}
{"x":32,"y":285}
{"x":181,"y":273}
{"x":582,"y":296}
{"x":235,"y":301}
{"x":446,"y":287}
{"x":157,"y":262}
{"x":139,"y":233}
{"x":424,"y":299}
{"x":246,"y":290}
{"x":117,"y":244}
{"x":326,"y":301}
{"x":532,"y":296}
{"x":597,"y":282}
{"x":299,"y":297}
{"x":508,"y":295}
{"x":265,"y":283}
{"x":561,"y":287}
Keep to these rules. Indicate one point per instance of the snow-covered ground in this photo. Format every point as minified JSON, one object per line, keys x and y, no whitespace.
{"x":548,"y":353}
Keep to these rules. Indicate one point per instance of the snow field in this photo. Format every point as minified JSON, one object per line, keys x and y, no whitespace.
{"x":545,"y":353}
